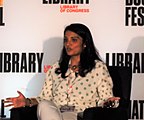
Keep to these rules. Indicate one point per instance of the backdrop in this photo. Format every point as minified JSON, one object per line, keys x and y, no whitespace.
{"x":31,"y":35}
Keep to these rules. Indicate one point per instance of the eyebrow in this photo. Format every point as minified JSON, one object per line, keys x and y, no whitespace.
{"x":74,"y":37}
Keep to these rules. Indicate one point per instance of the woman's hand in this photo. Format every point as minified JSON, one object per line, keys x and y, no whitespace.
{"x":112,"y":102}
{"x":113,"y":98}
{"x":15,"y":102}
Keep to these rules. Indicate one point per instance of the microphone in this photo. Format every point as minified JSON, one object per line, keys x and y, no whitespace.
{"x":2,"y":109}
{"x":76,"y":74}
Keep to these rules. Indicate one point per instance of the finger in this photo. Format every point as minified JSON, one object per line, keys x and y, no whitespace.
{"x":8,"y":101}
{"x":8,"y":98}
{"x":20,"y":94}
{"x":8,"y":105}
{"x":114,"y":98}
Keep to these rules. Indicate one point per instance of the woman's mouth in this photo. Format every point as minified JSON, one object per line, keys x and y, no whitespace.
{"x":68,"y":49}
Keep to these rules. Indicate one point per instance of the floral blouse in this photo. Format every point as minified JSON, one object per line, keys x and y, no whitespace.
{"x":81,"y":92}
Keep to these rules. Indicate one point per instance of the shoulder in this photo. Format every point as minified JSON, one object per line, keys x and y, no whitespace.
{"x":99,"y":64}
{"x":52,"y":67}
{"x":55,"y":65}
{"x":100,"y":67}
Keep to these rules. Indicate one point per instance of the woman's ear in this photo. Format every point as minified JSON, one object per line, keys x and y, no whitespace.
{"x":84,"y":46}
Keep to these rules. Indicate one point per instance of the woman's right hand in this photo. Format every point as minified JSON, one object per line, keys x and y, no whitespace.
{"x":16,"y":102}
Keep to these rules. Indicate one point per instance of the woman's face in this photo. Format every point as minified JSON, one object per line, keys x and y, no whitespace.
{"x":73,"y":43}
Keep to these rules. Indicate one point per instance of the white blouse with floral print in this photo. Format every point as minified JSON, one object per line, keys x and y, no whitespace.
{"x":81,"y":92}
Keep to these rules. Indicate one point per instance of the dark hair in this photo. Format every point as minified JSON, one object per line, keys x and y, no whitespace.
{"x":88,"y":55}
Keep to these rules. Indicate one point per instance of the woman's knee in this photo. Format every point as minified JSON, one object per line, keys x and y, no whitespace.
{"x":46,"y":104}
{"x":47,"y":110}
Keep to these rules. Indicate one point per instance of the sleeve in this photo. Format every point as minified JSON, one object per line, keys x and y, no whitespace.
{"x":105,"y":84}
{"x":46,"y":93}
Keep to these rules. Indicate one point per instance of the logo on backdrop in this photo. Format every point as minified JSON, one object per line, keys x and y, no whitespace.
{"x":21,"y":62}
{"x":70,"y":6}
{"x":136,"y":61}
{"x":1,"y":13}
{"x":133,"y":60}
{"x":136,"y":109}
{"x":134,"y":12}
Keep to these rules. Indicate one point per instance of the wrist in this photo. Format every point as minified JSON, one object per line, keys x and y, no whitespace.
{"x":28,"y":102}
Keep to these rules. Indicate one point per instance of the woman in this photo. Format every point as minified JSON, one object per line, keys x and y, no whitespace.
{"x":79,"y":80}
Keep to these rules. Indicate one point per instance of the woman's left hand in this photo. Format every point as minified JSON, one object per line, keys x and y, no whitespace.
{"x":113,"y":98}
{"x":111,"y":102}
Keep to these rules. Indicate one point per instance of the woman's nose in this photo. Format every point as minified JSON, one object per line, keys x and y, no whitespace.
{"x":68,"y":43}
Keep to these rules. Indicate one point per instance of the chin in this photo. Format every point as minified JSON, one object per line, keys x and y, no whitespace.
{"x":70,"y":54}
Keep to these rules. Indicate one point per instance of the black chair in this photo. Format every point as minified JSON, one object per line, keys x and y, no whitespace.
{"x":24,"y":113}
{"x":121,"y":77}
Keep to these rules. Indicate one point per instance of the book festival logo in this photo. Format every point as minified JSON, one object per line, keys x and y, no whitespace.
{"x":134,"y":12}
{"x":70,"y":6}
{"x":65,"y":6}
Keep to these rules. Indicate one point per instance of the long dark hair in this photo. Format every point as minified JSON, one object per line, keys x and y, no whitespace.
{"x":88,"y":55}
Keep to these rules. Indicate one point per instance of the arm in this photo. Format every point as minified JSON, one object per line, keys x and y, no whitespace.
{"x":46,"y":92}
{"x":19,"y":101}
{"x":22,"y":101}
{"x":105,"y":85}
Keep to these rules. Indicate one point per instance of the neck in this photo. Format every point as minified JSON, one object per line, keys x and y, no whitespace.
{"x":75,"y":60}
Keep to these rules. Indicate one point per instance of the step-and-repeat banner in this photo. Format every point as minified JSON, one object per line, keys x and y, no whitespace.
{"x":31,"y":36}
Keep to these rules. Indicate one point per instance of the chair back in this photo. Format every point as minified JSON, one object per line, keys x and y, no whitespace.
{"x":122,"y":79}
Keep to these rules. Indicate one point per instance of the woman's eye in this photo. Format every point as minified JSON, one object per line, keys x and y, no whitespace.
{"x":74,"y":40}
